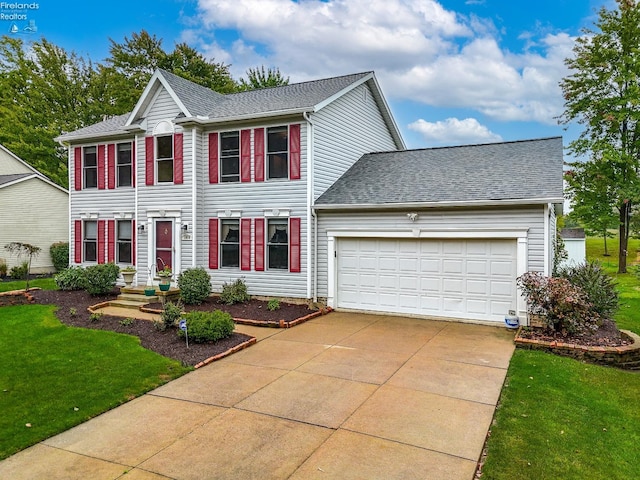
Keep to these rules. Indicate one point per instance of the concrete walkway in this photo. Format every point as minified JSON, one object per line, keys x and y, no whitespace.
{"x":343,"y":396}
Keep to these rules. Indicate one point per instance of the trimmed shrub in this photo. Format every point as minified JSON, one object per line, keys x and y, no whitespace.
{"x":596,"y":284}
{"x":101,"y":279}
{"x":564,"y":307}
{"x":3,"y":269}
{"x":205,"y":327}
{"x":59,"y":255}
{"x":71,"y":278}
{"x":20,"y":272}
{"x":171,"y":313}
{"x":235,"y":292}
{"x":194,"y":285}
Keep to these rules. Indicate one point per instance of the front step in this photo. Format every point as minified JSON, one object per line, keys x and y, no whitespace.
{"x":136,"y":297}
{"x":132,"y":304}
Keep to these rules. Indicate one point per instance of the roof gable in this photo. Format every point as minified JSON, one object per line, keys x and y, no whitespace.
{"x":509,"y":172}
{"x":12,"y":164}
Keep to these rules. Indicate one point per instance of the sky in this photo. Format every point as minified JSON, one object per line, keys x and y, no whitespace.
{"x":453,"y":71}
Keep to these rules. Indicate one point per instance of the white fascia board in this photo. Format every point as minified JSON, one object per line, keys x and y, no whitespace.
{"x":37,"y":176}
{"x":200,"y":120}
{"x":470,"y":203}
{"x":68,"y":139}
{"x":342,"y":92}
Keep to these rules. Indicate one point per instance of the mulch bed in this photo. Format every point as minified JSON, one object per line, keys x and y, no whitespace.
{"x":607,"y":335}
{"x":72,"y":311}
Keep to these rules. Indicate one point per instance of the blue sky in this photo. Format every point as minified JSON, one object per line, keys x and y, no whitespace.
{"x":453,"y":71}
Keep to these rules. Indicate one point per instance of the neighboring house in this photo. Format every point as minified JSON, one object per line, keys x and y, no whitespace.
{"x":243,"y":185}
{"x":575,"y":243}
{"x":33,"y":210}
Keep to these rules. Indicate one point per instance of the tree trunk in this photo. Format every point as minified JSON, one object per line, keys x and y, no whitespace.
{"x":606,"y":250}
{"x":625,"y":210}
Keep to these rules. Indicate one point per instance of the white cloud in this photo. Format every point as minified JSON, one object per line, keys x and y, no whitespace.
{"x":419,"y":50}
{"x":454,"y":131}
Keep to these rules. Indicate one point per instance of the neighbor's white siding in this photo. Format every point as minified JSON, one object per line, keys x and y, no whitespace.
{"x":517,"y":218}
{"x":10,"y":165}
{"x":33,"y":212}
{"x":345,"y":130}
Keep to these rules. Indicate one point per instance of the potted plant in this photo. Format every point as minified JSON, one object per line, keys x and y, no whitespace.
{"x":165,"y":278}
{"x":127,"y":274}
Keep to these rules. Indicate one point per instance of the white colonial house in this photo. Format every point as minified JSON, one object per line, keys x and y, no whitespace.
{"x":279,"y":187}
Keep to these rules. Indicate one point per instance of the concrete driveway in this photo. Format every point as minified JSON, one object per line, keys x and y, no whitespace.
{"x":344,"y":396}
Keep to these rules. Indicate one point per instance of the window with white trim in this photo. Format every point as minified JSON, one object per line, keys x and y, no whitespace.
{"x":164,"y":158}
{"x":124,"y":164}
{"x":230,"y":243}
{"x":124,"y":241}
{"x":230,"y":156}
{"x":90,"y":241}
{"x":90,"y":167}
{"x":277,"y":152}
{"x":278,"y":243}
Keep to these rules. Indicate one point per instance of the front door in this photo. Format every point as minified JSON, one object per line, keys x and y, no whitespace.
{"x":164,"y":244}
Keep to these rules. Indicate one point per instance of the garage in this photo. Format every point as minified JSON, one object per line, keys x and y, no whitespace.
{"x":471,"y":279}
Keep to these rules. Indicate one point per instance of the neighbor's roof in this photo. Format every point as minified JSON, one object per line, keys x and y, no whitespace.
{"x":6,"y":179}
{"x":15,"y":178}
{"x":201,"y":104}
{"x":527,"y":171}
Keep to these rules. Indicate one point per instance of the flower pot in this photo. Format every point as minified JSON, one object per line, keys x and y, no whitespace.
{"x":150,"y":292}
{"x":128,"y":278}
{"x":165,"y":286}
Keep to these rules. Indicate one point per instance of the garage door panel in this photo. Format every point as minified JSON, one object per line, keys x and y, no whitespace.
{"x":465,"y":278}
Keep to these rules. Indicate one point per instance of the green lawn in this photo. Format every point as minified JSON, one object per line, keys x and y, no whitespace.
{"x":43,"y":283}
{"x":54,"y":377}
{"x":562,"y":419}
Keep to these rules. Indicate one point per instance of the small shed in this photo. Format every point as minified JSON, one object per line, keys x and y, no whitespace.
{"x":575,"y":245}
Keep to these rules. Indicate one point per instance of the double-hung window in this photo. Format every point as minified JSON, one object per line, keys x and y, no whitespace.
{"x":278,"y":152}
{"x":230,"y":156}
{"x":90,"y":167}
{"x":230,"y":243}
{"x":124,"y":167}
{"x":90,"y":241}
{"x":124,"y":238}
{"x":164,"y":158}
{"x":278,"y":244}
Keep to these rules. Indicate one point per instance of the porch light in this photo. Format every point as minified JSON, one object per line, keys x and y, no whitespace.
{"x":413,"y":216}
{"x":141,"y":228}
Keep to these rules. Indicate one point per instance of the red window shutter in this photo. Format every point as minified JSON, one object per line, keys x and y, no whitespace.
{"x":178,"y":159}
{"x":213,"y":157}
{"x":134,"y":169}
{"x":101,"y":175}
{"x":258,"y":154}
{"x":111,"y":240}
{"x":77,"y":244}
{"x":148,"y":160}
{"x":259,"y":244}
{"x":245,"y":244}
{"x":213,"y":243}
{"x":245,"y":155}
{"x":77,"y":168}
{"x":111,"y":166}
{"x":101,"y":228}
{"x":294,"y":152}
{"x":294,"y":245}
{"x":133,"y":242}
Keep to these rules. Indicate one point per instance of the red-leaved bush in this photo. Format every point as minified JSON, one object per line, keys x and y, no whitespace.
{"x":564,"y":307}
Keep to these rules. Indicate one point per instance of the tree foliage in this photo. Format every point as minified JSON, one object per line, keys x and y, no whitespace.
{"x":46,"y":91}
{"x":603,"y":94}
{"x":24,"y":249}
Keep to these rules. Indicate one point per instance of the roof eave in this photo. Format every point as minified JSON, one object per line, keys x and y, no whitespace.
{"x":200,"y":120}
{"x":37,"y":176}
{"x":68,"y":139}
{"x":455,"y":204}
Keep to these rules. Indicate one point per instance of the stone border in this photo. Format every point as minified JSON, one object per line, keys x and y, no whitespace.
{"x":20,"y":293}
{"x":231,"y":351}
{"x":626,"y":357}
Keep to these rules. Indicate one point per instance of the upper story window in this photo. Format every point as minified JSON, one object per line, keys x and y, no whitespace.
{"x":230,"y":243}
{"x":124,"y":241}
{"x":164,"y":158}
{"x":230,"y":156}
{"x":90,"y":241}
{"x":278,"y":243}
{"x":277,"y":152}
{"x":124,"y":164}
{"x":90,"y":167}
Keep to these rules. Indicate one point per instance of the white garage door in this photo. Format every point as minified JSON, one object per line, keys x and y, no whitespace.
{"x":470,"y":279}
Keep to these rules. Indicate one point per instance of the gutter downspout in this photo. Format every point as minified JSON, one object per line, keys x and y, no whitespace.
{"x":194,"y":200}
{"x":312,"y":258}
{"x":135,"y":206}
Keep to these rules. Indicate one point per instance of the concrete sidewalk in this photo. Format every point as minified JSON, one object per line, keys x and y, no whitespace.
{"x":343,"y":396}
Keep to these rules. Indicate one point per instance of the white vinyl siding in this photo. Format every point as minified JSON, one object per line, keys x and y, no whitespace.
{"x":344,"y":131}
{"x":33,"y":212}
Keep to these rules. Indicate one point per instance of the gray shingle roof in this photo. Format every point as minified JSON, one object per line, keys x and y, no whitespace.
{"x":109,"y":126}
{"x":197,"y":99}
{"x":4,"y":179}
{"x":287,"y":97}
{"x":527,"y":169}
